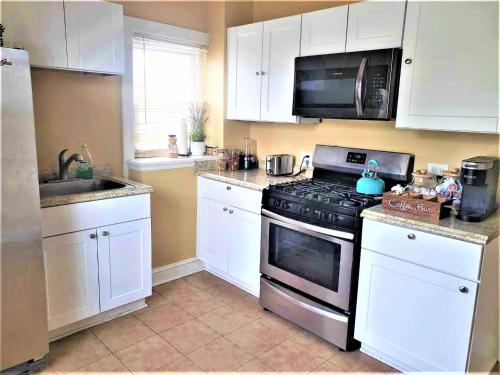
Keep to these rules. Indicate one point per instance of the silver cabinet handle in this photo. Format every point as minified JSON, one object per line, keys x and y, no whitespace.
{"x":408,"y":61}
{"x":411,"y":236}
{"x":105,"y":233}
{"x":228,"y":187}
{"x":224,"y":209}
{"x":92,"y":236}
{"x":257,"y":73}
{"x":231,"y":211}
{"x":359,"y":86}
{"x":463,"y":289}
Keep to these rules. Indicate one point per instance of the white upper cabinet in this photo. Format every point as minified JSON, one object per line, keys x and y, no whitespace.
{"x":375,"y":25}
{"x":94,"y":32}
{"x":260,"y":70}
{"x":324,"y":31}
{"x":244,"y":66}
{"x":449,"y":74}
{"x":39,"y":28}
{"x":75,"y":35}
{"x":281,"y":45}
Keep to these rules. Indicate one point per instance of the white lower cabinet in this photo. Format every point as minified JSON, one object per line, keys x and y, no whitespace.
{"x":95,"y":270}
{"x":72,"y":277}
{"x":414,"y":313}
{"x":228,"y":237}
{"x":418,"y":313}
{"x":89,"y":271}
{"x":124,"y":263}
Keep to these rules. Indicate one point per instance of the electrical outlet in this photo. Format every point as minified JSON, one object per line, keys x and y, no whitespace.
{"x":308,"y":161}
{"x":437,"y":169}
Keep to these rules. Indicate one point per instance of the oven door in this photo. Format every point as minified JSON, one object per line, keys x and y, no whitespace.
{"x":308,"y":258}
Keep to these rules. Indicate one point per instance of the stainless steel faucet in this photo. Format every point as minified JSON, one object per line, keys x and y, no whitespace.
{"x":64,"y":163}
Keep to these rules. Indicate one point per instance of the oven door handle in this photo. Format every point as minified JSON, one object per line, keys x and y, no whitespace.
{"x":310,"y":227}
{"x":359,"y":87}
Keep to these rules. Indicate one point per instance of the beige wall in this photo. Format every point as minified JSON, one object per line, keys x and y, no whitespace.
{"x":189,"y":14}
{"x":72,"y":108}
{"x":173,"y":213}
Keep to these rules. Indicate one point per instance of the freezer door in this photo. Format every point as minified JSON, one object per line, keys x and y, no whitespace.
{"x":24,"y":333}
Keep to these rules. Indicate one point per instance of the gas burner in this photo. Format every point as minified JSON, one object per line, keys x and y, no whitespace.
{"x":351,"y":203}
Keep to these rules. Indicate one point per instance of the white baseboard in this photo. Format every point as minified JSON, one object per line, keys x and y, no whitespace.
{"x":61,"y":332}
{"x":176,"y":270}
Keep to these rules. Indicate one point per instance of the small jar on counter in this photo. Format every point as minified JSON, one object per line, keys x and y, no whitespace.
{"x":234,"y":160}
{"x":172,"y":146}
{"x":221,"y":162}
{"x":423,"y":183}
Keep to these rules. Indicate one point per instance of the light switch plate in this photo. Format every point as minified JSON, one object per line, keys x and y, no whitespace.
{"x":437,"y":169}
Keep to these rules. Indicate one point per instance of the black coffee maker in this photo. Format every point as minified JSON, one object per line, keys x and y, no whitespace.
{"x":480,"y":181}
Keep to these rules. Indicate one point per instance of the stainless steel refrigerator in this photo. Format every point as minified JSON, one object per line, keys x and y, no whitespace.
{"x":24,"y":332}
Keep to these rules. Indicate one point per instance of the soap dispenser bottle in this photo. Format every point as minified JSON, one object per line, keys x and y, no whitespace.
{"x":85,"y":169}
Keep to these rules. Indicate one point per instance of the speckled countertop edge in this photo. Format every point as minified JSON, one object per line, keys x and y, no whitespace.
{"x":132,"y":188}
{"x":480,"y":233}
{"x":255,"y":179}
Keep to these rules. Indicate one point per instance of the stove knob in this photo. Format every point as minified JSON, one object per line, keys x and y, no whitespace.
{"x":333,"y":218}
{"x":277,"y":203}
{"x":285,"y":205}
{"x":317,"y":214}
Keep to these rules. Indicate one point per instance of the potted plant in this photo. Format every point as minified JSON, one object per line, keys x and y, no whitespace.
{"x":198,"y":117}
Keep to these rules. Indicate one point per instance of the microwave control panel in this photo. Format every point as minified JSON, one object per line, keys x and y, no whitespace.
{"x":376,"y":86}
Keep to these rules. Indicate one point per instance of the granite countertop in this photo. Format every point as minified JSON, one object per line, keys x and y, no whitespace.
{"x":479,"y":233}
{"x":131,"y":188}
{"x":255,"y":179}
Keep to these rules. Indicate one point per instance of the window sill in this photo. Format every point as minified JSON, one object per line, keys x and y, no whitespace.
{"x":161,"y":163}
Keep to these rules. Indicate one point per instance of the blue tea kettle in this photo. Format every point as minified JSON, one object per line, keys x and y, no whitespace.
{"x":370,"y":183}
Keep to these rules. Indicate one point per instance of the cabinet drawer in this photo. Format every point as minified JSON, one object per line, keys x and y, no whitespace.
{"x":440,"y":253}
{"x":236,"y":196}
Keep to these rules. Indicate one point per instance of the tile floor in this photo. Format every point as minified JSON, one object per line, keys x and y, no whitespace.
{"x":200,"y":323}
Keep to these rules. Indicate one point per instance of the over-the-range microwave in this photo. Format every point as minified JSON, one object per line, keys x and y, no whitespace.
{"x":355,"y":85}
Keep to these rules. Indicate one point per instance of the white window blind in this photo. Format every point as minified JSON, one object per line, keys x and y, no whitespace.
{"x":167,"y":77}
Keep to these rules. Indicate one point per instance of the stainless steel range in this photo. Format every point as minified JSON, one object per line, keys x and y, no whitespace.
{"x":311,"y":237}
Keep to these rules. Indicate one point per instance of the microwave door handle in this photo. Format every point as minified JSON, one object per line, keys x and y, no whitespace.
{"x":359,"y":87}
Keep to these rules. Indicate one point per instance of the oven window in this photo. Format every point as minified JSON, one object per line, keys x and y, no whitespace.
{"x":305,"y":256}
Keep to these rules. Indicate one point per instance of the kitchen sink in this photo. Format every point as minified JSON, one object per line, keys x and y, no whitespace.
{"x":58,"y":188}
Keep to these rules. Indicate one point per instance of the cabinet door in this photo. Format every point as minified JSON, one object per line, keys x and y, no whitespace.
{"x":375,"y":25}
{"x":124,"y":263}
{"x":72,"y":277}
{"x":281,"y":45}
{"x":244,"y":63}
{"x":324,"y":31}
{"x":450,"y":67}
{"x":414,"y":314}
{"x":38,"y":27}
{"x":214,"y":235}
{"x":244,"y":256}
{"x":94,"y":30}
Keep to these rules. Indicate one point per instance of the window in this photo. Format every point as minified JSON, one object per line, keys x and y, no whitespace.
{"x":167,"y":77}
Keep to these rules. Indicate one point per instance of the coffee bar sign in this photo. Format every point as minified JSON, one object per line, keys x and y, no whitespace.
{"x":415,"y":206}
